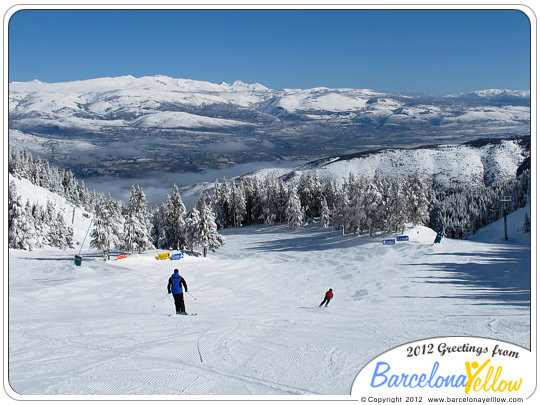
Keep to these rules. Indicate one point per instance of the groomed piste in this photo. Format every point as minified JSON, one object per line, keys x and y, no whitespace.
{"x":103,"y":328}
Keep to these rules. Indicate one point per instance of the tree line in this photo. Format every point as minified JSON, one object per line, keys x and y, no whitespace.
{"x":362,"y":205}
{"x":134,"y":227}
{"x":356,"y":205}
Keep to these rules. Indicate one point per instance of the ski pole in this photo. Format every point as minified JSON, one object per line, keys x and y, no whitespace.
{"x":192,"y":296}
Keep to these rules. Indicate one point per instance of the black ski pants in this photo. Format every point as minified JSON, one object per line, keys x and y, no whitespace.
{"x":179,"y":303}
{"x":326,"y":300}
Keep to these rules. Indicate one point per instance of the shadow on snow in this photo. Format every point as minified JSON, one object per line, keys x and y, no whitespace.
{"x":493,"y":278}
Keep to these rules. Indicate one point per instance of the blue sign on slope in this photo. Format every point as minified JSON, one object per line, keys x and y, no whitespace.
{"x":389,"y":241}
{"x":402,"y":238}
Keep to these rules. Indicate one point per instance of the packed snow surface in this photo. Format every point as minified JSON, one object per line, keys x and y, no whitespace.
{"x":108,"y":328}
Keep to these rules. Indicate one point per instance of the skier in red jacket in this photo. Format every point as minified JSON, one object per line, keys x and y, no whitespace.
{"x":327,"y":297}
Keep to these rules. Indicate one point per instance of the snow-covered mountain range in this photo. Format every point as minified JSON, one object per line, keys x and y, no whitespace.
{"x":127,"y":125}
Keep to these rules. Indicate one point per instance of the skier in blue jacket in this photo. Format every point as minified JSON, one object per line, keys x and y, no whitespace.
{"x":175,"y":287}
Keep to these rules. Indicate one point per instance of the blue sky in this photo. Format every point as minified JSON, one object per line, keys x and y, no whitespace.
{"x":420,"y":51}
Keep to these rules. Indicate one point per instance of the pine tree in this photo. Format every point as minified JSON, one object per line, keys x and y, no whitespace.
{"x":269,"y":201}
{"x":59,"y":235}
{"x":356,"y":212}
{"x":254,"y":200}
{"x":238,"y":205}
{"x":36,"y":229}
{"x":373,"y":206}
{"x":396,"y":205}
{"x":308,"y":189}
{"x":19,"y":230}
{"x":325,"y":214}
{"x":221,"y":199}
{"x":341,"y":212}
{"x":69,"y":237}
{"x":209,"y":238}
{"x":158,"y":229}
{"x":295,"y":212}
{"x":107,"y":228}
{"x":173,"y":221}
{"x":137,"y":225}
{"x":70,"y":188}
{"x":417,"y":201}
{"x":193,"y":223}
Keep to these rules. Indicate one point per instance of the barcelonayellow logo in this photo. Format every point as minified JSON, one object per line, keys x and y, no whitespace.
{"x":453,"y":366}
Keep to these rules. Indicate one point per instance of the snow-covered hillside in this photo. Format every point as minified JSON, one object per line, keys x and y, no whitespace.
{"x":104,"y":328}
{"x":75,"y":216}
{"x":492,"y":162}
{"x":129,"y":124}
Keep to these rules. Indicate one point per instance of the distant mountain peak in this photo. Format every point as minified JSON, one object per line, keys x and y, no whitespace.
{"x":492,"y":93}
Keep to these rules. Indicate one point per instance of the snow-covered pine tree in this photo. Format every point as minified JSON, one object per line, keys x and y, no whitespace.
{"x":209,"y":238}
{"x":220,"y":203}
{"x":270,"y":207}
{"x":137,"y":224}
{"x":19,"y":228}
{"x":357,"y":215}
{"x":373,"y":206}
{"x":38,"y":231}
{"x":106,"y":233}
{"x":158,"y":227}
{"x":173,"y":221}
{"x":418,"y":200}
{"x":308,"y":192}
{"x":295,"y":211}
{"x":55,"y":180}
{"x":71,"y":188}
{"x":237,"y":205}
{"x":40,"y":227}
{"x":341,"y":210}
{"x":255,"y":200}
{"x":53,"y":232}
{"x":60,"y":235}
{"x":396,"y":204}
{"x":14,"y":163}
{"x":330,"y":193}
{"x":326,"y":215}
{"x":247,"y":189}
{"x":69,"y":237}
{"x":192,"y":225}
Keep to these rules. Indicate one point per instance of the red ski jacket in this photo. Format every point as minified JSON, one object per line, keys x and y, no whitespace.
{"x":329,"y":294}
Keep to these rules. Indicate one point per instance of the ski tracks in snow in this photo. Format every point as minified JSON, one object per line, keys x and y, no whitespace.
{"x":101,"y":328}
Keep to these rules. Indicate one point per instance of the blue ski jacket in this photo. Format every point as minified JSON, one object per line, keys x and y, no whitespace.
{"x":175,"y":284}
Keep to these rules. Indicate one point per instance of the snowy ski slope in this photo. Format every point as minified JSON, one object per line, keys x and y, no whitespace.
{"x":104,"y":328}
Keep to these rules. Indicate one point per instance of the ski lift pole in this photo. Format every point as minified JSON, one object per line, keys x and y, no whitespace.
{"x":88,"y":230}
{"x":78,"y":257}
{"x":504,"y":200}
